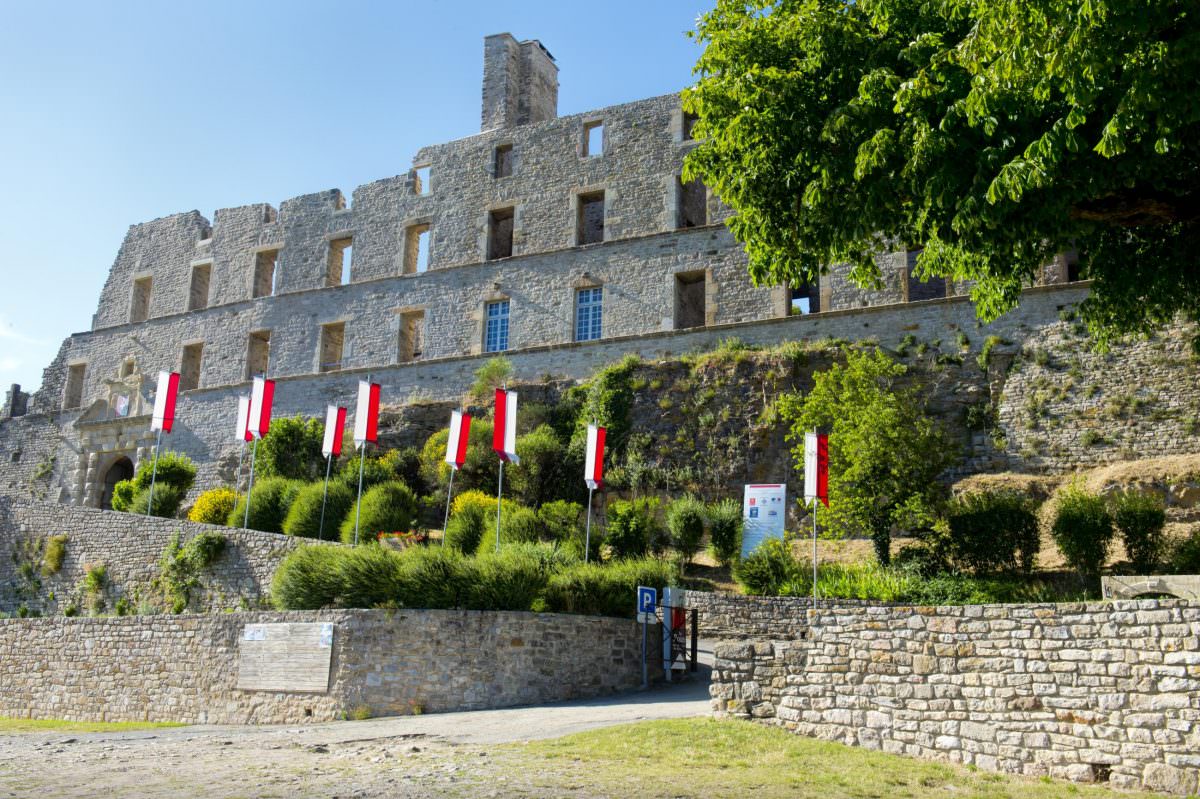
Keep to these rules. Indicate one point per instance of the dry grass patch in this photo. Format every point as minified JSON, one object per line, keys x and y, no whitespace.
{"x":10,"y":725}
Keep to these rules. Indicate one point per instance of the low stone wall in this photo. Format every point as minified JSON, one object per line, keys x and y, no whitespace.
{"x":130,"y":547}
{"x":1093,"y":693}
{"x":736,"y":617}
{"x":185,"y":668}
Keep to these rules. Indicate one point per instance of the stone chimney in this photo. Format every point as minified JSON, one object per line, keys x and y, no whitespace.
{"x":520,"y":82}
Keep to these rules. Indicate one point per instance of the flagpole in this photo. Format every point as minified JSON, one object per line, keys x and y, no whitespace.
{"x":499,"y":492}
{"x":362,"y":457}
{"x":324,"y":497}
{"x":815,"y":502}
{"x":237,"y":482}
{"x":449,"y":493}
{"x":154,"y":472}
{"x":587,"y":540}
{"x":250,"y":485}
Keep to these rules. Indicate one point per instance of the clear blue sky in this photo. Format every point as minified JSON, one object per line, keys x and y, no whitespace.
{"x":120,"y":112}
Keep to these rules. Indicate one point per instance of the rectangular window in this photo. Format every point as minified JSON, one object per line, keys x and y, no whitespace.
{"x":73,"y":397}
{"x":422,"y":180}
{"x":804,"y":299}
{"x":590,"y":224}
{"x":689,"y":125}
{"x":690,"y":299}
{"x":693,"y":204}
{"x":589,"y":304}
{"x":593,"y":139}
{"x":337,"y":269}
{"x":416,"y":249}
{"x":503,"y":162}
{"x":500,"y":233}
{"x":189,"y":367}
{"x":495,"y":338}
{"x":198,"y":292}
{"x":333,"y":339}
{"x":258,"y":353}
{"x":266,"y":266}
{"x":139,"y":304}
{"x":412,"y":336}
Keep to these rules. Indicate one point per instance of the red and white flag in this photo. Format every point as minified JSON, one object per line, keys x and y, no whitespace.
{"x":261,"y":398}
{"x":504,"y":433}
{"x":816,"y":467}
{"x":243,"y":423}
{"x":593,"y":466}
{"x":335,"y":426}
{"x":456,"y":445}
{"x":164,"y":401}
{"x":366,"y":416}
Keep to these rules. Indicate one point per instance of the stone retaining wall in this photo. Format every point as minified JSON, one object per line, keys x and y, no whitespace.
{"x":1093,"y":693}
{"x":130,"y":547}
{"x":185,"y":668}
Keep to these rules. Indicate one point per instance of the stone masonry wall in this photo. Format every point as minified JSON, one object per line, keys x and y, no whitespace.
{"x":185,"y":668}
{"x":1093,"y":693}
{"x":129,"y":547}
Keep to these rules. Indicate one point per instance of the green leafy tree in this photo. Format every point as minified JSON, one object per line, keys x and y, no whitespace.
{"x":885,"y":452}
{"x":993,"y":134}
{"x":292,"y":449}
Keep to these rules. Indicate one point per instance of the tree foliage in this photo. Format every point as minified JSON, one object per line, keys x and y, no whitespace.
{"x":994,"y":134}
{"x":292,"y":449}
{"x":885,"y":452}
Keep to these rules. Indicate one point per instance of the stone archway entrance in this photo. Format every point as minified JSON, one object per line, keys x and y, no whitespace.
{"x":121,"y":469}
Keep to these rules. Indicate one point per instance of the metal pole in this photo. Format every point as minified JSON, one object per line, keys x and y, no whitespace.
{"x":645,"y":669}
{"x":362,"y":457}
{"x":587,"y":539}
{"x":154,"y":472}
{"x":237,"y":482}
{"x":815,"y":501}
{"x":695,"y":637}
{"x":499,"y":492}
{"x":449,"y":493}
{"x":250,"y":486}
{"x":325,"y":497}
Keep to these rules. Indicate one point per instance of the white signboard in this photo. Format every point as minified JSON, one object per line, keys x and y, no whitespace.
{"x":285,"y":657}
{"x":764,"y":512}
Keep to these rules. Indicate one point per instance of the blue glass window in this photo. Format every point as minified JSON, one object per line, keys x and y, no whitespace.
{"x":496,"y":334}
{"x":589,"y":304}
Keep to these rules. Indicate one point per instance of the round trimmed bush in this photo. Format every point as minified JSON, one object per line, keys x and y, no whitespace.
{"x":685,"y":520}
{"x":467,"y":527}
{"x":213,"y":506}
{"x":631,"y":527}
{"x":1083,"y":530}
{"x":1140,"y":519}
{"x":304,"y":516}
{"x":725,"y":531}
{"x":993,"y":531}
{"x":173,"y":467}
{"x":309,"y":578}
{"x":269,"y":504}
{"x":167,"y":499}
{"x":387,"y":508}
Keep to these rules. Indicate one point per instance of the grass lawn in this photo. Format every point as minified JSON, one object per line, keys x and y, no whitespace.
{"x":727,"y":758}
{"x":8,"y":725}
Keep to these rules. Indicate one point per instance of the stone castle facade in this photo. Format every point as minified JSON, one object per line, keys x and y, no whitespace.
{"x":563,"y":241}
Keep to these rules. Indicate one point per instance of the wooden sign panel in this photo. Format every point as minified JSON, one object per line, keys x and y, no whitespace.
{"x":285,"y":657}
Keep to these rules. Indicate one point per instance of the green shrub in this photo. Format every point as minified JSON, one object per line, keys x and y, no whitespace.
{"x":992,"y":531}
{"x":387,"y":508}
{"x":269,"y":503}
{"x":292,"y":449}
{"x":371,"y":577}
{"x":542,"y":475}
{"x":1140,"y":519}
{"x":923,"y":560}
{"x":309,"y":578}
{"x":564,"y":522}
{"x":56,"y":550}
{"x":480,"y":471}
{"x":631,"y":527}
{"x":765,"y":570}
{"x":1184,"y":554}
{"x":304,"y":516}
{"x":378,"y":467}
{"x":725,"y":531}
{"x":519,"y":525}
{"x":167,"y":499}
{"x":180,"y":566}
{"x":173,"y":469}
{"x":605,"y":590}
{"x":436,"y":577}
{"x":213,"y":506}
{"x":510,"y":579}
{"x":685,"y":520}
{"x":468,"y":526}
{"x":1083,"y":530}
{"x":122,"y":496}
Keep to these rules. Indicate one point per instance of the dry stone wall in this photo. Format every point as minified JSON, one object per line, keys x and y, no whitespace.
{"x":185,"y":668}
{"x":1093,"y":693}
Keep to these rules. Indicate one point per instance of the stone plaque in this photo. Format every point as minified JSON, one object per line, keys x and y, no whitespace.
{"x":285,"y":657}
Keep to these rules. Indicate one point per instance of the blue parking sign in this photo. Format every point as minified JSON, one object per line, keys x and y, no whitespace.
{"x":647,"y":599}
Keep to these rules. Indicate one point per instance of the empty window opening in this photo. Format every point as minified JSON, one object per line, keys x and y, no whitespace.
{"x":422,"y":179}
{"x":503,"y":161}
{"x":333,"y":338}
{"x":412,"y":336}
{"x":690,"y":299}
{"x":15,"y":457}
{"x":589,"y":304}
{"x":416,"y":249}
{"x":189,"y":367}
{"x":337,"y":270}
{"x":73,"y":397}
{"x":500,"y":233}
{"x":139,"y":305}
{"x":127,"y":367}
{"x":198,"y":292}
{"x":590,"y":224}
{"x":266,"y":267}
{"x":804,"y":299}
{"x":593,"y":139}
{"x":1073,"y":272}
{"x":495,"y":336}
{"x":258,"y":353}
{"x":689,"y":126}
{"x":693,"y":204}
